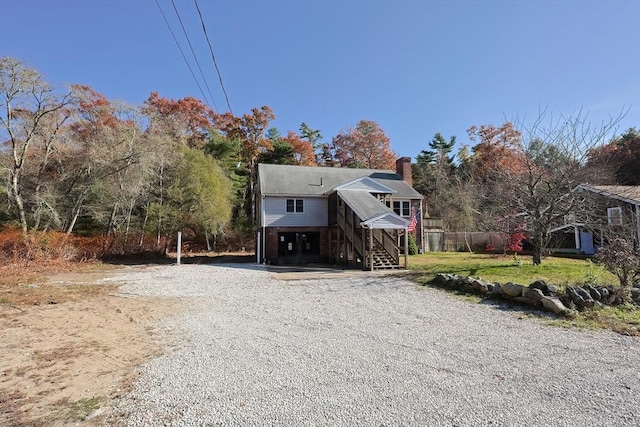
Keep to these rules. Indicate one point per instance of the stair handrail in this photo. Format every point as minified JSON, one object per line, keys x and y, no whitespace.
{"x":388,"y":243}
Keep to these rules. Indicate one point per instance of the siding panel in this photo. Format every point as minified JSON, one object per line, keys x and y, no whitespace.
{"x":315,"y":213}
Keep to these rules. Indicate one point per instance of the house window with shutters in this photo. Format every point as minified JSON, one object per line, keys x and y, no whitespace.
{"x":614,"y":215}
{"x":295,"y":206}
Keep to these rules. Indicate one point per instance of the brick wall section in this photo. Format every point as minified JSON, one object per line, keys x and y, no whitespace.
{"x":403,"y":168}
{"x":271,"y":246}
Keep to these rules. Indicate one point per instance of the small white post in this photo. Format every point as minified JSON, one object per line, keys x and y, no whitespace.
{"x":179,"y":247}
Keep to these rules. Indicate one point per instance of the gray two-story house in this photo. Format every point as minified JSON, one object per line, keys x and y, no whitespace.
{"x":336,"y":215}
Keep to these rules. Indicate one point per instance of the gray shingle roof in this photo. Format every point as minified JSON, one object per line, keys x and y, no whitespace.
{"x":364,"y":204}
{"x":316,"y":181}
{"x":627,"y":193}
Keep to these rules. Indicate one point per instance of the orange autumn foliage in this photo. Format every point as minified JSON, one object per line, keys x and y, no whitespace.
{"x":249,"y":130}
{"x":366,"y":146}
{"x":94,"y":111}
{"x":499,"y":149}
{"x":302,"y":150}
{"x":187,"y":120}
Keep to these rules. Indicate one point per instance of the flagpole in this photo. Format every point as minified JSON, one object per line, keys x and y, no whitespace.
{"x":421,"y":228}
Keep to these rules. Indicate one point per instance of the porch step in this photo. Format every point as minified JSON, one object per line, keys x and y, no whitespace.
{"x":381,"y":259}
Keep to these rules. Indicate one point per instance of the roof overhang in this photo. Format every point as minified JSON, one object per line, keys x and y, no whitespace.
{"x":295,"y":196}
{"x":364,"y":183}
{"x":608,"y":194}
{"x":565,"y":226}
{"x":389,"y":220}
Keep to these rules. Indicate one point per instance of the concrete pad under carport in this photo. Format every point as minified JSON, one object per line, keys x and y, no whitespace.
{"x":322,"y":271}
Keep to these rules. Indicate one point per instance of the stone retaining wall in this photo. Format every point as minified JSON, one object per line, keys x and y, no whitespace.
{"x":539,"y":294}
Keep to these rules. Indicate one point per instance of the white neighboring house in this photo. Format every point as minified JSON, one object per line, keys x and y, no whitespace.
{"x":336,"y":215}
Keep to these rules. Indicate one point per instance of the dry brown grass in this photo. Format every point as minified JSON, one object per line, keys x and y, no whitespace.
{"x":29,"y":284}
{"x":69,"y":344}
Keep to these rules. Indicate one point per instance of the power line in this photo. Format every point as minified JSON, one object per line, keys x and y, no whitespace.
{"x":213,"y":57}
{"x":194,"y":55}
{"x":182,"y":53}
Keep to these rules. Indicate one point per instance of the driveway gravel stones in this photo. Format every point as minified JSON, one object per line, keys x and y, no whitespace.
{"x":369,"y":350}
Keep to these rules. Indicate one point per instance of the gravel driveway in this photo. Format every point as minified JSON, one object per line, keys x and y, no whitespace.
{"x":366,"y":350}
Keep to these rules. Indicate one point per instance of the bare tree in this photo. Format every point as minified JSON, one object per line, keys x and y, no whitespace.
{"x":31,"y":112}
{"x":104,"y":144}
{"x":537,"y":174}
{"x":552,"y":160}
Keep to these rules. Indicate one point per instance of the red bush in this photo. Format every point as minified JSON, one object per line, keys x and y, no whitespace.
{"x":515,"y":242}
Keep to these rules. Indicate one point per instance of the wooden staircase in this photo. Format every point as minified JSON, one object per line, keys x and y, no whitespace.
{"x":382,"y":258}
{"x":353,"y":242}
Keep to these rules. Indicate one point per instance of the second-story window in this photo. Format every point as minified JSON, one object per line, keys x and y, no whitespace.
{"x":295,"y":205}
{"x":402,"y":208}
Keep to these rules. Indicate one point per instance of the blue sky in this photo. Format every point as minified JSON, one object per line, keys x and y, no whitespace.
{"x":415,"y":67}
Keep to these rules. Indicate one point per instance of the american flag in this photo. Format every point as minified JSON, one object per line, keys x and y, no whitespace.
{"x":414,"y":222}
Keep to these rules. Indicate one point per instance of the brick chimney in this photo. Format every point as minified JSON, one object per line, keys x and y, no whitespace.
{"x":403,"y":168}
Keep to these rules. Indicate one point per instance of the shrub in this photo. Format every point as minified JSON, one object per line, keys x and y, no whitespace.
{"x":621,"y":259}
{"x":413,"y":247}
{"x":515,"y":242}
{"x":18,"y":248}
{"x":40,"y":247}
{"x":488,"y":247}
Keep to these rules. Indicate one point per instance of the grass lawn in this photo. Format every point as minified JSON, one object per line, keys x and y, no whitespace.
{"x":507,"y":268}
{"x":554,"y":270}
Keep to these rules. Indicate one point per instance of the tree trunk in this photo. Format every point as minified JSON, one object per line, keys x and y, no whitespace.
{"x":206,"y":236}
{"x":41,"y":173}
{"x":466,"y":241}
{"x":17,"y":198}
{"x":126,"y":232}
{"x":112,"y":220}
{"x":72,"y":224}
{"x":144,"y":224}
{"x":159,"y":225}
{"x":76,"y":211}
{"x":537,"y":249}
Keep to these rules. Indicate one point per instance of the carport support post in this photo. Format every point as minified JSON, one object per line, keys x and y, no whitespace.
{"x":179,"y":247}
{"x":338,"y":249}
{"x":371,"y":248}
{"x":406,"y":249}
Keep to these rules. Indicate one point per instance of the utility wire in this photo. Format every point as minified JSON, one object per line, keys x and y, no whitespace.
{"x":213,"y":57}
{"x":182,"y":53}
{"x":194,"y":55}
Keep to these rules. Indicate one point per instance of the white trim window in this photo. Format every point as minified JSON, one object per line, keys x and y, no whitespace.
{"x":614,"y":215}
{"x":294,"y":206}
{"x":402,"y":208}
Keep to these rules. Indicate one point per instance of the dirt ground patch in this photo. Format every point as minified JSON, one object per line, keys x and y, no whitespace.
{"x":70,"y":344}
